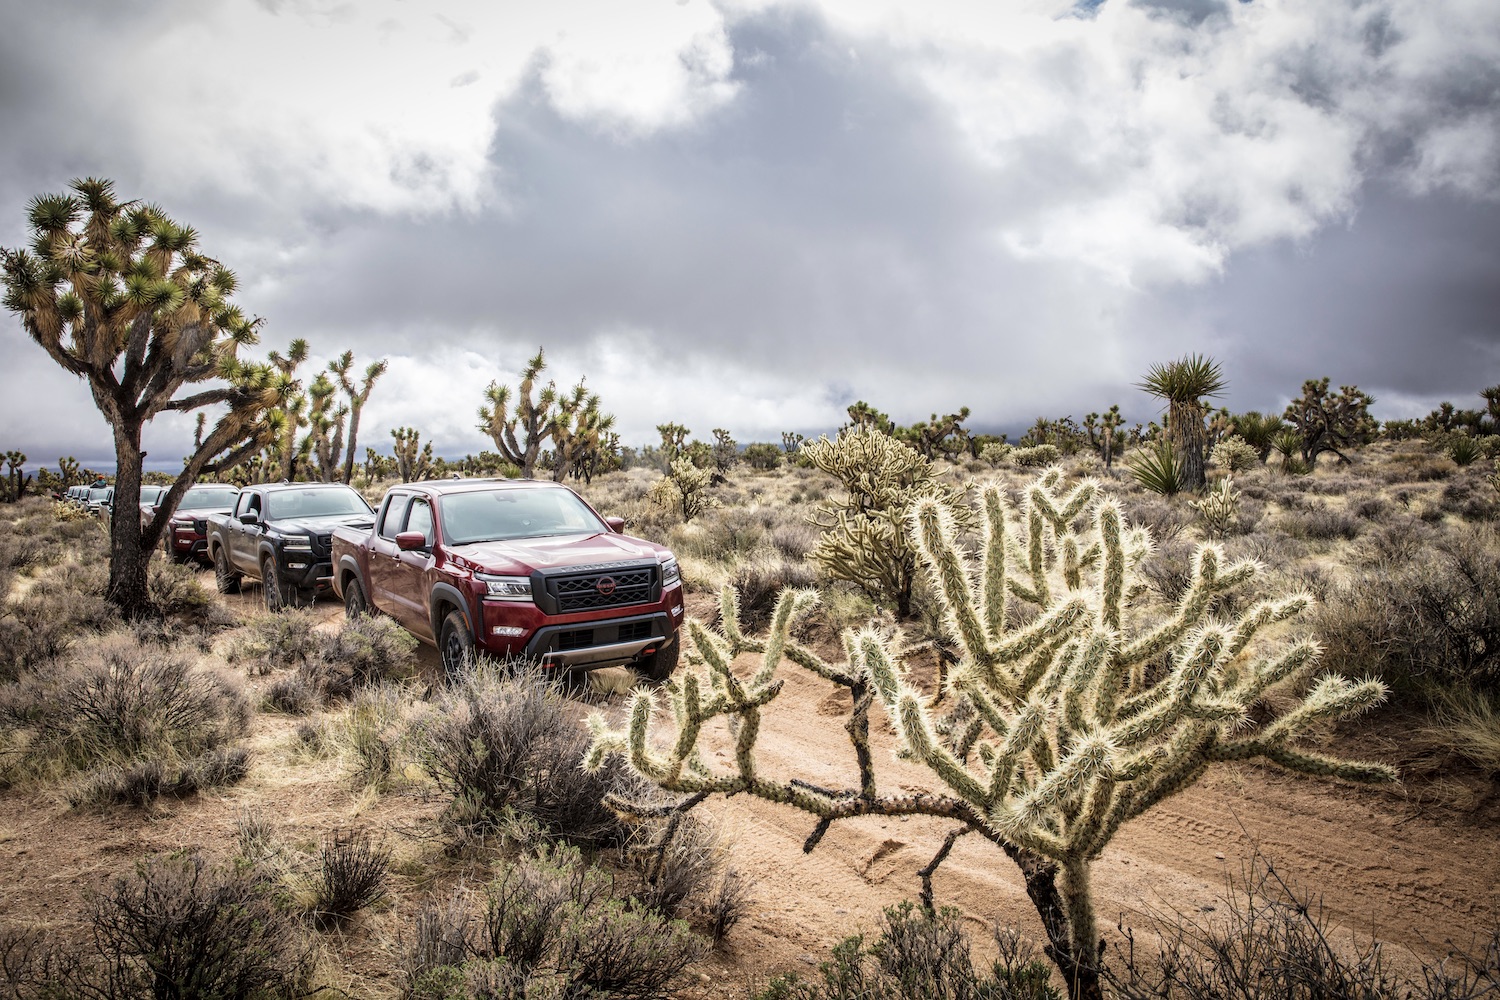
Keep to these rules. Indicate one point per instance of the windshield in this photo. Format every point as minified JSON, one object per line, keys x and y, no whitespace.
{"x":317,"y":501}
{"x":97,"y":493}
{"x":200,"y":497}
{"x":497,"y":515}
{"x":151,"y":494}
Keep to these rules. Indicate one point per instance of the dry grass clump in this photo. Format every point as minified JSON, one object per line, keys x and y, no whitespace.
{"x":1268,"y":941}
{"x":921,"y":955}
{"x":176,"y":928}
{"x":135,"y":718}
{"x":1433,"y":621}
{"x":1467,"y":723}
{"x":546,"y":926}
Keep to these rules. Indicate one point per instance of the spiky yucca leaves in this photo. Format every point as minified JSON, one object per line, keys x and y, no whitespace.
{"x":864,"y":537}
{"x":1076,"y":722}
{"x":1184,"y":384}
{"x":119,"y":294}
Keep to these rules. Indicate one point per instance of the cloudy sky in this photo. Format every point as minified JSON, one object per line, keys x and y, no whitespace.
{"x":750,"y":213}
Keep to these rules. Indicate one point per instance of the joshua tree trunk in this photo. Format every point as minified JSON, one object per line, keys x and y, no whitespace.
{"x":1187,"y":433}
{"x":128,"y":588}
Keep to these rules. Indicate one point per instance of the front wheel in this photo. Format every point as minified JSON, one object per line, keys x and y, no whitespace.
{"x":270,"y":586}
{"x":354,"y":600}
{"x":661,"y":664}
{"x":455,"y":644}
{"x":225,"y":579}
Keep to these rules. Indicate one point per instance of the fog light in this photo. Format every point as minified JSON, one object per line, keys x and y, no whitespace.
{"x":509,"y":631}
{"x":677,"y":610}
{"x":296,"y":565}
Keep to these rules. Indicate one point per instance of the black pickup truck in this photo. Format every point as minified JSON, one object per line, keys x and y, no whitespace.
{"x":280,"y":534}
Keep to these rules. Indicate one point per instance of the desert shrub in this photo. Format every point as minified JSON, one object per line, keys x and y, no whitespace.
{"x":176,"y":590}
{"x":1469,"y":498}
{"x":143,"y":781}
{"x":1232,"y":455}
{"x":369,"y":735}
{"x":120,"y":704}
{"x":1168,"y":570}
{"x":794,"y":539}
{"x":295,"y":694}
{"x":352,"y":875}
{"x":281,"y":640}
{"x":547,"y":926}
{"x":1319,"y":524}
{"x":1463,"y":449}
{"x":1164,"y":519}
{"x":921,"y":955}
{"x":366,"y":651}
{"x":57,"y":611}
{"x":175,"y":929}
{"x":504,"y":744}
{"x":680,"y":869}
{"x":1369,"y":507}
{"x":1435,"y":620}
{"x":1268,"y":941}
{"x":995,"y":453}
{"x":762,"y":456}
{"x":1035,"y":457}
{"x":760,"y":582}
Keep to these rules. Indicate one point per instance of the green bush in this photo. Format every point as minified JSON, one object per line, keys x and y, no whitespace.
{"x":1035,"y":457}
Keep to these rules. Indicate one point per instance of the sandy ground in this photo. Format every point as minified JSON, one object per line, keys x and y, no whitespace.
{"x":1412,"y":870}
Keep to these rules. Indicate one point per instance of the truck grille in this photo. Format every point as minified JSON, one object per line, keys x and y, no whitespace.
{"x":321,"y":544}
{"x":603,"y":590}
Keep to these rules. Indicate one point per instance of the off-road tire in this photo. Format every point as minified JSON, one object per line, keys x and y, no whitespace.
{"x":355,"y":604}
{"x":661,"y":664}
{"x":455,"y":644}
{"x":270,"y":586}
{"x":225,"y":579}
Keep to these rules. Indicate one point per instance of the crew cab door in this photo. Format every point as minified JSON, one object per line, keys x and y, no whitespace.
{"x":242,"y":538}
{"x":398,"y":579}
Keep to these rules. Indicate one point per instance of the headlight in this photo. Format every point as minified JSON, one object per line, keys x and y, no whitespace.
{"x":505,"y":588}
{"x":670,"y":574}
{"x":297,"y":543}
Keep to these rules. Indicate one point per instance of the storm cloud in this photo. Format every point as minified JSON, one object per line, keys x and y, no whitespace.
{"x":749,"y":215}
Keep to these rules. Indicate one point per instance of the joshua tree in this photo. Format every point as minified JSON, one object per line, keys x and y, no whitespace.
{"x":1184,"y":384}
{"x":357,"y":400}
{"x":118,"y":294}
{"x":673,"y":441}
{"x":578,"y":432}
{"x":293,"y":408}
{"x":69,"y":472}
{"x":14,"y":483}
{"x":325,"y":435}
{"x":1079,"y":712}
{"x":413,"y":459}
{"x":1109,"y":425}
{"x":533,"y":417}
{"x":1328,"y":421}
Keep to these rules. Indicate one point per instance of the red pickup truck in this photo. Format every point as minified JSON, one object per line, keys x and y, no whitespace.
{"x":513,"y":568}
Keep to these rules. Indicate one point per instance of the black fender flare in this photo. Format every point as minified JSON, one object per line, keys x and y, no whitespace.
{"x":349,"y":566}
{"x":264,"y":549}
{"x":444,"y":594}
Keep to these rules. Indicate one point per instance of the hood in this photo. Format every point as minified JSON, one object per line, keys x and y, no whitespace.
{"x":521,"y":556}
{"x":196,"y":513}
{"x":323,"y":525}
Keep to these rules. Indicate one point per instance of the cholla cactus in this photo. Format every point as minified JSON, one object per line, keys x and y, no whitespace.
{"x":1232,"y":454}
{"x":864,"y":536}
{"x":1041,"y":454}
{"x":1076,"y":722}
{"x":1220,"y":508}
{"x":684,"y":489}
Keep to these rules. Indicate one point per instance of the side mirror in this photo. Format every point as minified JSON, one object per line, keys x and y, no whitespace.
{"x":411,"y":541}
{"x":250,"y":517}
{"x":616,"y":524}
